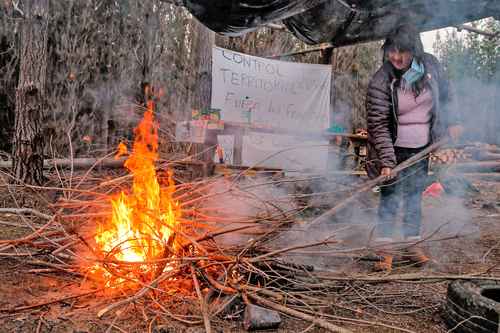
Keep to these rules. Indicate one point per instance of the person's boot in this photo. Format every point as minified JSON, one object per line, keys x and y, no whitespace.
{"x":415,"y":254}
{"x":384,"y":263}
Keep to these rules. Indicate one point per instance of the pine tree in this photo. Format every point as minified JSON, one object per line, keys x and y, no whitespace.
{"x":31,"y":99}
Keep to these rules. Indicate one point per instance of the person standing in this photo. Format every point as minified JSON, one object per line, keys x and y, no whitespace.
{"x":409,"y":106}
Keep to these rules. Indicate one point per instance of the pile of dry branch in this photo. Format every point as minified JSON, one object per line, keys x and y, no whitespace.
{"x":226,"y":262}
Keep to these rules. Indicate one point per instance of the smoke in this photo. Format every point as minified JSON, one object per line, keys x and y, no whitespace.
{"x":450,"y":230}
{"x":451,"y":217}
{"x":478,"y":102}
{"x":257,"y":203}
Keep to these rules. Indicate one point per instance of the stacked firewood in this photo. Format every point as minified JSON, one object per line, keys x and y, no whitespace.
{"x":450,"y":156}
{"x":478,"y":160}
{"x":467,"y":153}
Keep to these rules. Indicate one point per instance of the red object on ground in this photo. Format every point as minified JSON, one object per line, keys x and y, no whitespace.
{"x":220,"y":154}
{"x":434,"y":190}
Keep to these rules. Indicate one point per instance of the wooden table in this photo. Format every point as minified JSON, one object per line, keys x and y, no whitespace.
{"x":239,"y":130}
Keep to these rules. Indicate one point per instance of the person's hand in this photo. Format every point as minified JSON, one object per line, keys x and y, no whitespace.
{"x":386,"y":172}
{"x":455,"y":132}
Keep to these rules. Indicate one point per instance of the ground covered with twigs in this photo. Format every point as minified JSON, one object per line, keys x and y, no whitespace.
{"x":241,"y":239}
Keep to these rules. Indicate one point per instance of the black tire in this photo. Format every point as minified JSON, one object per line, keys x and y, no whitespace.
{"x":467,"y":310}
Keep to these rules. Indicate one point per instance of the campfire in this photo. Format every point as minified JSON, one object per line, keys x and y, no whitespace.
{"x":141,"y":244}
{"x":134,"y":241}
{"x":201,"y":250}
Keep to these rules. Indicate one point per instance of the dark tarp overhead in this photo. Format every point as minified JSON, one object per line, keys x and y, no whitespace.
{"x":341,"y":22}
{"x":236,"y":17}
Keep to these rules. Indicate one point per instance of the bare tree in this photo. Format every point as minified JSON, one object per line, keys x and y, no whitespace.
{"x":30,"y":94}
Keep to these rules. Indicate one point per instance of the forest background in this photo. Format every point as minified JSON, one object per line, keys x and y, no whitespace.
{"x":99,"y":56}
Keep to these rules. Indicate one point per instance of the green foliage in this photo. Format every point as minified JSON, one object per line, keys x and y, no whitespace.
{"x":470,"y":55}
{"x":472,"y":63}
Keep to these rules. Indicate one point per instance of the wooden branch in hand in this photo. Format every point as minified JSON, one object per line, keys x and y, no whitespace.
{"x":374,"y":182}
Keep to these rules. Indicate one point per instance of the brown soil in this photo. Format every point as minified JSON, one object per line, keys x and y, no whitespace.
{"x":416,"y":307}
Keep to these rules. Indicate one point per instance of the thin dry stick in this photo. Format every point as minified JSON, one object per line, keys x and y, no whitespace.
{"x":24,"y":211}
{"x":92,"y":167}
{"x":219,"y":286}
{"x":39,"y":326}
{"x":34,"y":306}
{"x":366,"y":322}
{"x":66,"y":246}
{"x":297,"y":314}
{"x":30,"y":236}
{"x":222,"y":232}
{"x":291,"y":248}
{"x":71,"y":154}
{"x":224,"y":305}
{"x":48,"y":188}
{"x":203,"y":305}
{"x":171,"y":315}
{"x":139,"y":294}
{"x":111,"y":326}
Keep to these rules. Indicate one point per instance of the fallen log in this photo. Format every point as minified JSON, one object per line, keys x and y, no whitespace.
{"x":77,"y":163}
{"x":482,"y":155}
{"x":482,"y":148}
{"x":486,"y":176}
{"x":374,"y":182}
{"x":203,"y":169}
{"x":328,"y":276}
{"x":472,"y":167}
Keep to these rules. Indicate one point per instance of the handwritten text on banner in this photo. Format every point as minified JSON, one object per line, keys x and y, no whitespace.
{"x":271,"y":93}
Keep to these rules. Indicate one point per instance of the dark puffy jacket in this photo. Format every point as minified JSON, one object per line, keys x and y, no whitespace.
{"x":382,"y":111}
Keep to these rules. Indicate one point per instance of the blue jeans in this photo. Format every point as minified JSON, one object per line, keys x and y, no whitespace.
{"x":406,"y":188}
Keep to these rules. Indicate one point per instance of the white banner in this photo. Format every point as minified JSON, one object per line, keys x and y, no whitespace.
{"x":191,"y":131}
{"x":270,"y":93}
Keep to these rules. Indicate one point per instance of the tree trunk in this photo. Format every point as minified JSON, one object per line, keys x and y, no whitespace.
{"x":202,"y":88}
{"x":30,"y":94}
{"x":326,"y":56}
{"x":203,"y":67}
{"x":8,"y":81}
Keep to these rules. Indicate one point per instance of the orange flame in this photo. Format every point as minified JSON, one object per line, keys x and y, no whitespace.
{"x":122,"y":150}
{"x":141,"y":228}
